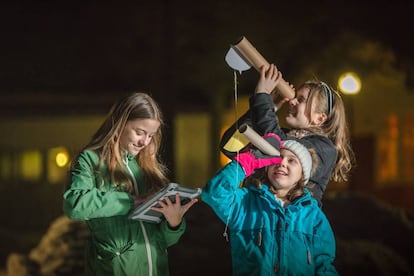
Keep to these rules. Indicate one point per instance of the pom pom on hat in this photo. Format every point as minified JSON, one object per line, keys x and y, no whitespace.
{"x":303,"y":155}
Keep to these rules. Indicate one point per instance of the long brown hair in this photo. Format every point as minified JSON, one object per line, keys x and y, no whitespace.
{"x":138,"y":105}
{"x":335,"y":127}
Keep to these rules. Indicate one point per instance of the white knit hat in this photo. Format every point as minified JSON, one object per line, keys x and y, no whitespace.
{"x":303,"y":155}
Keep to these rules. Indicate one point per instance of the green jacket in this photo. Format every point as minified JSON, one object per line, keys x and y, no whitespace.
{"x":117,"y":245}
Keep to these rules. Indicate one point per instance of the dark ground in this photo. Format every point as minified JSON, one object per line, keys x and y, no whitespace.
{"x":373,"y":238}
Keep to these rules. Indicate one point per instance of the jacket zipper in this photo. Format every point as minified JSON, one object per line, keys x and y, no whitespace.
{"x":126,"y":162}
{"x":144,"y":231}
{"x":259,"y":237}
{"x":308,"y":252}
{"x":147,"y":246}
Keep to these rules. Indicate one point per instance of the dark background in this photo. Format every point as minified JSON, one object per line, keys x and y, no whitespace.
{"x":175,"y":49}
{"x":77,"y":57}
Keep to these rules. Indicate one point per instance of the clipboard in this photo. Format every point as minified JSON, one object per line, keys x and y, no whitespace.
{"x":145,"y":213}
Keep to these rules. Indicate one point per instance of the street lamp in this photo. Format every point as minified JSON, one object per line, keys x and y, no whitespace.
{"x":350,"y":84}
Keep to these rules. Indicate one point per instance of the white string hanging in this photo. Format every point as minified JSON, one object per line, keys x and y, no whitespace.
{"x":236,"y":115}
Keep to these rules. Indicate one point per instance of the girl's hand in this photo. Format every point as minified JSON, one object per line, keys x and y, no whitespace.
{"x":174,"y":212}
{"x":268,"y":79}
{"x":278,"y":100}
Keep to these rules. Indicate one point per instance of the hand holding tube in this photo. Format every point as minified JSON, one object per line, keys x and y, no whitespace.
{"x":246,"y":50}
{"x":266,"y":150}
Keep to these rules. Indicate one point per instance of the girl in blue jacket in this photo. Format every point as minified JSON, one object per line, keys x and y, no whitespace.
{"x":276,"y":227}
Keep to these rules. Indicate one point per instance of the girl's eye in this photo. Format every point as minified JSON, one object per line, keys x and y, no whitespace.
{"x":292,"y":160}
{"x":139,"y":132}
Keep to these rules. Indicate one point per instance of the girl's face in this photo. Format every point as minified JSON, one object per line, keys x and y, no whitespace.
{"x":287,"y":174}
{"x":296,"y":116}
{"x":137,"y":134}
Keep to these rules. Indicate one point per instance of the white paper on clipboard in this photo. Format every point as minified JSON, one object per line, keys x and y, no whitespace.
{"x":144,"y":211}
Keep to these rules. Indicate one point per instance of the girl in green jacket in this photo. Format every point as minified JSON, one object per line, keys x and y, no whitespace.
{"x":116,"y":171}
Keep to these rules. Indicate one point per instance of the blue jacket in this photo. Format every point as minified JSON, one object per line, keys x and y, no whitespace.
{"x":267,"y":239}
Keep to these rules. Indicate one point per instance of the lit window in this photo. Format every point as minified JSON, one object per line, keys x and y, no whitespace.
{"x":57,"y":166}
{"x":31,"y":165}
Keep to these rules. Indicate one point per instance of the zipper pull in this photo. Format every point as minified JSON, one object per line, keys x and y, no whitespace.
{"x":259,"y":238}
{"x":309,"y":257}
{"x":226,"y":236}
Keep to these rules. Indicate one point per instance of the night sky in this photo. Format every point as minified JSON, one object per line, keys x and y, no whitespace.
{"x":77,"y":47}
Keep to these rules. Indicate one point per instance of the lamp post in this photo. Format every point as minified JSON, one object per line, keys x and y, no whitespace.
{"x":350,"y":84}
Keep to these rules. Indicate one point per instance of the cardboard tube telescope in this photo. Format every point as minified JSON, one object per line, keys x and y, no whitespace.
{"x":249,"y":53}
{"x":258,"y":141}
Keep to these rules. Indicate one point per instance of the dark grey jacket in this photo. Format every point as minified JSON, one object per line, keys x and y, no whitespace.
{"x":262,"y":118}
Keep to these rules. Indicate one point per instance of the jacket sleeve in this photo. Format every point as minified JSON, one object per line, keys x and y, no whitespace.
{"x":324,"y":247}
{"x":172,"y":236}
{"x":228,"y":134}
{"x":222,"y":194}
{"x":83,"y":200}
{"x":327,"y":155}
{"x":263,"y":116}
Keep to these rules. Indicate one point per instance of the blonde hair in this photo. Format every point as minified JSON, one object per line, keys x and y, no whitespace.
{"x":138,"y":105}
{"x":335,"y":127}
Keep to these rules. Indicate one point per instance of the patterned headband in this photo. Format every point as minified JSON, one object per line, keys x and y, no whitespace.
{"x":329,"y":96}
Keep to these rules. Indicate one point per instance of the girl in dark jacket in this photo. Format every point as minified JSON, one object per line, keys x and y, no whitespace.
{"x":316,"y":117}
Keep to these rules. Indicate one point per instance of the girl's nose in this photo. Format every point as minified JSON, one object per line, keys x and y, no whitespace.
{"x":293,"y":102}
{"x":283,"y":163}
{"x":141,"y":142}
{"x":144,"y":141}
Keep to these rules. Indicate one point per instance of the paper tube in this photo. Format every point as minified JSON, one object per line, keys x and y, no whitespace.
{"x":248,"y":52}
{"x":258,"y":141}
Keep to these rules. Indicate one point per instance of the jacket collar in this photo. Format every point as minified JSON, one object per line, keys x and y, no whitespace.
{"x":126,"y":156}
{"x":264,"y":192}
